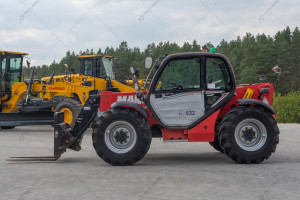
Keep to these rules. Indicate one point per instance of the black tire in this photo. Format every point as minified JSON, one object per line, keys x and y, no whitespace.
{"x":7,"y":127}
{"x":73,"y":106}
{"x":248,"y":134}
{"x":216,"y":144}
{"x":106,"y":133}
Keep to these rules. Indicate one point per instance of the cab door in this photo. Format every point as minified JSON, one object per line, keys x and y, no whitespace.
{"x":177,"y":97}
{"x":218,"y":82}
{"x":183,"y":93}
{"x":10,"y":72}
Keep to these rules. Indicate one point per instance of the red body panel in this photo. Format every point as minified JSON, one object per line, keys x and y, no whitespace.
{"x":205,"y":130}
{"x":240,"y":92}
{"x":108,"y":98}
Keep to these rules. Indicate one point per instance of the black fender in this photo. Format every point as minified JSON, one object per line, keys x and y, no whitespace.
{"x":257,"y":102}
{"x":137,"y":107}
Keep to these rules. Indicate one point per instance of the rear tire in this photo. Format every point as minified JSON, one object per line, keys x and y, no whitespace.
{"x":70,"y":107}
{"x":248,"y":134}
{"x":215,"y":144}
{"x":121,"y":136}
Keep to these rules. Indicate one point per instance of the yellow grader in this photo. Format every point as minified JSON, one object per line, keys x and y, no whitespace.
{"x":61,"y":93}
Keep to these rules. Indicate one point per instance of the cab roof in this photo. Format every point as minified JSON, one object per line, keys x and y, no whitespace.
{"x":13,"y":52}
{"x":96,"y":55}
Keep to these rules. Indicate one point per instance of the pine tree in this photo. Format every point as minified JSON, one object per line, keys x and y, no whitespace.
{"x":250,"y":57}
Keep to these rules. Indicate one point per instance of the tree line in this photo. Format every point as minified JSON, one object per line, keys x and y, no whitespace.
{"x":250,"y":57}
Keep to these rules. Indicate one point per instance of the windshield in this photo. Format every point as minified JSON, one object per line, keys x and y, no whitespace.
{"x":98,"y":67}
{"x":15,"y":64}
{"x":107,"y":62}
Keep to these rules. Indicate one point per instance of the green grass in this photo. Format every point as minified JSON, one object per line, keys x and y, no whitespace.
{"x":287,"y":107}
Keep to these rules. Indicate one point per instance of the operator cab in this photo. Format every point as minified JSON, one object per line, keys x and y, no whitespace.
{"x":10,"y":71}
{"x":189,"y":87}
{"x":96,"y":66}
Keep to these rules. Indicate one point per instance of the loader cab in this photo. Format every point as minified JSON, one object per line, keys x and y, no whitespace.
{"x":189,"y":87}
{"x":10,"y":71}
{"x":96,"y":66}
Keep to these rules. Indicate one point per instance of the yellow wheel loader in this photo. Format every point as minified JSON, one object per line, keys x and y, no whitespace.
{"x":95,"y":73}
{"x":61,"y":93}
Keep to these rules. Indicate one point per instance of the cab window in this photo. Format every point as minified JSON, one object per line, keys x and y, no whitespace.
{"x":217,"y":75}
{"x":180,"y":74}
{"x":88,"y":68}
{"x":15,"y":69}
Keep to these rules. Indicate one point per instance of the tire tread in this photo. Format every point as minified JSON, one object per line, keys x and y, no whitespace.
{"x":142,"y":124}
{"x":227,"y":124}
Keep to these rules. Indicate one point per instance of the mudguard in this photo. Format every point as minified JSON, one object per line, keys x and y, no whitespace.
{"x":137,"y":107}
{"x":257,"y":102}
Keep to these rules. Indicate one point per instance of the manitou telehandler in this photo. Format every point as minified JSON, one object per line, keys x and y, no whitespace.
{"x":192,"y":97}
{"x":62,"y":93}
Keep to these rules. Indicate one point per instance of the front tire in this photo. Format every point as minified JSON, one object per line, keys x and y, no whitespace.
{"x":248,"y":134}
{"x":121,"y":136}
{"x":71,"y":109}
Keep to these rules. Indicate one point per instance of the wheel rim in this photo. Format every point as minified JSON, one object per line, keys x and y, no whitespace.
{"x":250,"y":135}
{"x":68,"y":115}
{"x":120,"y":137}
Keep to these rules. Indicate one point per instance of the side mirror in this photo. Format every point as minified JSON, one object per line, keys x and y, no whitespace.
{"x":276,"y":69}
{"x":135,"y":71}
{"x":28,"y":63}
{"x":66,"y":69}
{"x":148,"y":62}
{"x":132,"y":70}
{"x":136,"y":86}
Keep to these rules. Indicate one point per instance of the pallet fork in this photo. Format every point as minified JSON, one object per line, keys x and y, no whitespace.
{"x":66,"y":137}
